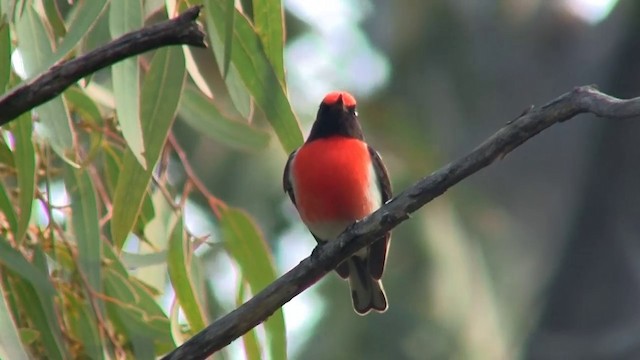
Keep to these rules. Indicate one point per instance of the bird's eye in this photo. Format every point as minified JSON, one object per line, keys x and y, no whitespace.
{"x":353,"y":112}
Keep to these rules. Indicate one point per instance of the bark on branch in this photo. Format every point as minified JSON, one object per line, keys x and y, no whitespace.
{"x":584,"y":99}
{"x":182,"y":30}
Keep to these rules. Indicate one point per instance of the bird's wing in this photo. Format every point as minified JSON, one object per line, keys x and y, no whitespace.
{"x":378,"y":250}
{"x":286,"y":180}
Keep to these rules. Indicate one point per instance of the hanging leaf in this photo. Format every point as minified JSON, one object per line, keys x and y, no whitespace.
{"x":256,"y":72}
{"x":179,"y":262}
{"x":125,"y":16}
{"x":35,"y":48}
{"x":269,"y":20}
{"x":201,"y":114}
{"x":246,"y":245}
{"x":161,"y":94}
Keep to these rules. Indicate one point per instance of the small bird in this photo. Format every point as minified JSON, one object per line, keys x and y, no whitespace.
{"x":335,"y":179}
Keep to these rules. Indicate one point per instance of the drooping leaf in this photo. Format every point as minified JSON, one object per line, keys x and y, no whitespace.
{"x":247,"y":247}
{"x":5,"y":54}
{"x":36,"y":293}
{"x":85,"y":16}
{"x":83,"y":325}
{"x":178,"y":261}
{"x":256,"y":72}
{"x":250,"y":339}
{"x":35,"y":47}
{"x":230,"y":18}
{"x":222,"y":43}
{"x":201,"y":114}
{"x":86,"y":109}
{"x":161,"y":93}
{"x":25,"y":159}
{"x":6,"y":207}
{"x":268,"y":19}
{"x":86,"y":227}
{"x":54,"y":18}
{"x":125,"y":16}
{"x":10,"y":342}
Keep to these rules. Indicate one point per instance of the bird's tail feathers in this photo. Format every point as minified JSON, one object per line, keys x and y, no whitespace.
{"x":367,"y":293}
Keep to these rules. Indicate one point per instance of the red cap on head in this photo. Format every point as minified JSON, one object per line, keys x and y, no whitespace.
{"x":334,"y":96}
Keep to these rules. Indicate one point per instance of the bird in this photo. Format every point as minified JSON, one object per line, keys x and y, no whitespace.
{"x":335,"y":179}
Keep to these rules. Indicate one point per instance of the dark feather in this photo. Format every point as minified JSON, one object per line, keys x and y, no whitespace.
{"x":378,"y":250}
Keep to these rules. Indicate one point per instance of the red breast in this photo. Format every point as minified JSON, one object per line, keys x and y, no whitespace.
{"x":332,"y":180}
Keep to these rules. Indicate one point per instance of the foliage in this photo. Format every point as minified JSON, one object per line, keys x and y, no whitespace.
{"x":89,"y":207}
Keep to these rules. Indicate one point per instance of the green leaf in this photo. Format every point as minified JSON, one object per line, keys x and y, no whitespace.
{"x":178,"y":261}
{"x":5,"y":54}
{"x":268,"y":18}
{"x":35,"y":48}
{"x":136,"y":314}
{"x":25,"y":159}
{"x":247,"y":247}
{"x":125,"y":16}
{"x":250,"y":339}
{"x":202,"y":115}
{"x":228,"y":36}
{"x":256,"y":72}
{"x":85,"y":16}
{"x":221,"y":47}
{"x":37,"y":294}
{"x":54,"y":18}
{"x":84,"y":107}
{"x":161,"y":93}
{"x":6,"y":207}
{"x":133,"y":260}
{"x":86,"y":227}
{"x":10,"y":342}
{"x":83,"y":324}
{"x":29,"y":336}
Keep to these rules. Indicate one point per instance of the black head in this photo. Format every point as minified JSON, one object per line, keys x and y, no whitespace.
{"x":337,"y":116}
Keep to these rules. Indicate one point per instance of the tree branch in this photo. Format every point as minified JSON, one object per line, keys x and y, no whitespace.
{"x":584,"y":99}
{"x":182,"y":30}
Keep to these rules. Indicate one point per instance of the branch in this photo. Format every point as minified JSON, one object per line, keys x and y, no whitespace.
{"x":182,"y":30}
{"x":584,"y":99}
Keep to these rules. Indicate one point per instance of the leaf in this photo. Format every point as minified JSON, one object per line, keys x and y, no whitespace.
{"x":37,"y":294}
{"x":202,"y":115}
{"x":5,"y":54}
{"x":228,"y":36}
{"x":221,"y":46}
{"x":85,"y":16}
{"x":257,"y":73}
{"x":86,"y":227}
{"x":246,"y":245}
{"x":178,"y":262}
{"x":6,"y":207}
{"x":161,"y":93}
{"x":84,"y":107}
{"x":134,"y":261}
{"x":250,"y":339}
{"x":10,"y":342}
{"x":125,"y":16}
{"x":83,"y":325}
{"x":25,"y":158}
{"x":54,"y":18}
{"x":35,"y":48}
{"x":268,"y":19}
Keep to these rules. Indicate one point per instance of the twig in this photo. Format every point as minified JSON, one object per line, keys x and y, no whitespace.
{"x":233,"y":325}
{"x":182,"y":30}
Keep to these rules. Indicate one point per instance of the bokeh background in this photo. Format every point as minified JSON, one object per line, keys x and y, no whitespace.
{"x":535,"y":257}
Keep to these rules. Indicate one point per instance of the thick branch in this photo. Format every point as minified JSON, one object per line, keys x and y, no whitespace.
{"x":233,"y":325}
{"x":182,"y":30}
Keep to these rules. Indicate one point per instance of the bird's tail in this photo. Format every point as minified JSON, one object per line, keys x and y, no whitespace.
{"x":367,"y":293}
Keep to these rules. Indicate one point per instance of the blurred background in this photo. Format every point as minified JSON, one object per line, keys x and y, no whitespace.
{"x":535,"y":257}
